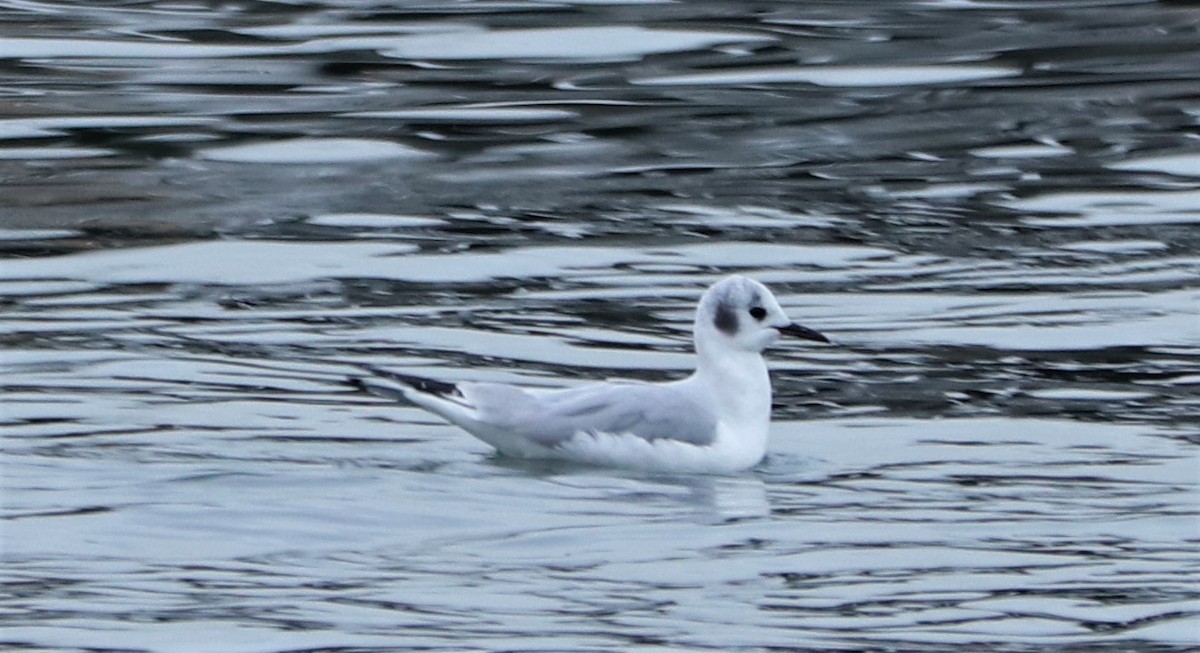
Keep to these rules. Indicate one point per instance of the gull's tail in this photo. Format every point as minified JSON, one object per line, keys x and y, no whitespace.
{"x":482,"y":409}
{"x":445,"y":399}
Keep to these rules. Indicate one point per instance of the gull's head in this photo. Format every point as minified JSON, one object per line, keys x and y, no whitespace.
{"x":741,"y":314}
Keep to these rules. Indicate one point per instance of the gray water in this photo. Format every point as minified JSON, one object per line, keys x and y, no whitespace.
{"x":210,"y":211}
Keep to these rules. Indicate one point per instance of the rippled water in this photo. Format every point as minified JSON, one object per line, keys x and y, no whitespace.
{"x":208,"y":211}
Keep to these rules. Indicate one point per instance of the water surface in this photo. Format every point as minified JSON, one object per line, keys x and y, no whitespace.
{"x":209,"y":214}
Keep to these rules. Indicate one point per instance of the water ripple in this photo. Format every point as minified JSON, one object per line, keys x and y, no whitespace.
{"x":210,"y":214}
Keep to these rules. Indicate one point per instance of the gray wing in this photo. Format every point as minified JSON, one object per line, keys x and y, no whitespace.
{"x":647,"y":411}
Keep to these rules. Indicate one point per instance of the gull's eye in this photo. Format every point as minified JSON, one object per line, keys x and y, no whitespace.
{"x":758,"y":312}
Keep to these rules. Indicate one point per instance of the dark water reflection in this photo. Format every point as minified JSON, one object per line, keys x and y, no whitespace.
{"x":207,"y":211}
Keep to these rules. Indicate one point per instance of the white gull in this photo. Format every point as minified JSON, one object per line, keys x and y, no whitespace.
{"x":714,"y":421}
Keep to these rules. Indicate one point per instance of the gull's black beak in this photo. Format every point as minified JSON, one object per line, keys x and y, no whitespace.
{"x":804,"y":332}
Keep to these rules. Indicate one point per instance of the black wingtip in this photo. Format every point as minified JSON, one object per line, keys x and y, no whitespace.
{"x":420,"y":384}
{"x":428,"y":386}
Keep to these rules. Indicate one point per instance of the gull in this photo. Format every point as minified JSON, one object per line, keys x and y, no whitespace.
{"x":715,"y":421}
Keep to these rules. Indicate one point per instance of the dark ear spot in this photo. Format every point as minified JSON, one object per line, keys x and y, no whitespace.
{"x":725,"y":319}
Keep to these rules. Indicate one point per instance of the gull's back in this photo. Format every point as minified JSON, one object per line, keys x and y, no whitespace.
{"x":550,"y":419}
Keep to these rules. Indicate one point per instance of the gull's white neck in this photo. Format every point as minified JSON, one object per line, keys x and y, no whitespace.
{"x":737,"y":382}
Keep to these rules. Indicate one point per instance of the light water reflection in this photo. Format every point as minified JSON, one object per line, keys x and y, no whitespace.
{"x":209,"y":214}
